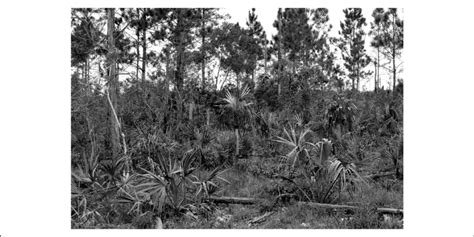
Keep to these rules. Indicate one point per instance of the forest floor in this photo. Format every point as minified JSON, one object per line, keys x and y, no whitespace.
{"x":291,"y":215}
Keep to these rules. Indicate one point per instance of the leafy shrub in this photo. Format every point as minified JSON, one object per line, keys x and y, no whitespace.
{"x":340,"y":114}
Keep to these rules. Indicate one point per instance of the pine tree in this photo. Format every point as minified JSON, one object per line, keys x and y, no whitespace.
{"x":257,"y":33}
{"x":392,"y":40}
{"x":352,"y":45}
{"x":277,"y":39}
{"x":296,"y":35}
{"x":181,"y":22}
{"x":209,"y":18}
{"x":85,"y":39}
{"x":322,"y":54}
{"x":376,"y":31}
{"x":238,"y":50}
{"x":293,"y":40}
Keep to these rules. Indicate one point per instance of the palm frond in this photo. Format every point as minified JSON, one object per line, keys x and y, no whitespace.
{"x":245,"y":91}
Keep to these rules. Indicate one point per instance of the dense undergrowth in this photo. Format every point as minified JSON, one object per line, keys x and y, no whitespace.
{"x":312,"y":146}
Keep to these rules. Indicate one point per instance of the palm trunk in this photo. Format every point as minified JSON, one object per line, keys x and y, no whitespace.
{"x":294,"y":68}
{"x":253,"y":76}
{"x":353,"y":83}
{"x":237,"y":141}
{"x":191,"y":109}
{"x":238,"y":81}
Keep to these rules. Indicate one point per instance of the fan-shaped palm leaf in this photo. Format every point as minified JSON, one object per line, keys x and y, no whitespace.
{"x":295,"y":142}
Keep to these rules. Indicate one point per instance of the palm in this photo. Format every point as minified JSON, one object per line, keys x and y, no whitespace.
{"x":239,"y":111}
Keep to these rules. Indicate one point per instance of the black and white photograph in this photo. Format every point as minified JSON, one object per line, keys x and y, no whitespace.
{"x":236,"y":118}
{"x":223,"y":118}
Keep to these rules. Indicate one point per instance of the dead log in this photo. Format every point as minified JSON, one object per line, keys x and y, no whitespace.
{"x":385,"y":210}
{"x":234,"y":200}
{"x":382,"y":210}
{"x":251,"y":201}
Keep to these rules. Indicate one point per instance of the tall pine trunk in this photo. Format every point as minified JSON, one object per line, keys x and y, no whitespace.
{"x":138,"y":46}
{"x":279,"y":52}
{"x":138,"y":53}
{"x":179,"y":63}
{"x":394,"y":68}
{"x":166,"y":93}
{"x":378,"y":69}
{"x":180,"y":51}
{"x":144,"y":26}
{"x":353,"y":78}
{"x":375,"y":76}
{"x":394,"y":54}
{"x":203,"y":62}
{"x":253,"y":75}
{"x":358,"y":77}
{"x":112,"y":81}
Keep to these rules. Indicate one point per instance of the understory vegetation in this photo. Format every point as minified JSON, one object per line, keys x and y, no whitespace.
{"x":288,"y":148}
{"x":170,"y":173}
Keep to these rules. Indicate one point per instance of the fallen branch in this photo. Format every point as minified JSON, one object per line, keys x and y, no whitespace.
{"x":235,"y":200}
{"x":382,"y":210}
{"x":251,"y":201}
{"x":385,"y":210}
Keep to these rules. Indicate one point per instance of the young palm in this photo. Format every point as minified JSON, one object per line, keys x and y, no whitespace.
{"x":342,"y":171}
{"x":296,"y":143}
{"x":239,"y":109}
{"x":206,"y":183}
